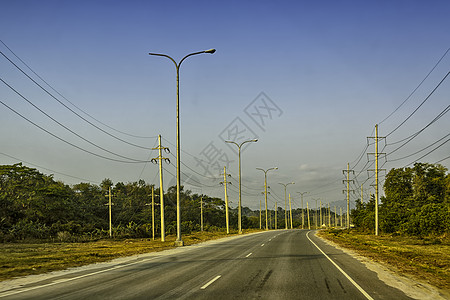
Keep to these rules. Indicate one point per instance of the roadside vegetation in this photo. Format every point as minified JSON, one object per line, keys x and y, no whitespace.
{"x":21,"y":259}
{"x":414,"y":218}
{"x":425,"y":258}
{"x":35,"y":207}
{"x":46,"y":225}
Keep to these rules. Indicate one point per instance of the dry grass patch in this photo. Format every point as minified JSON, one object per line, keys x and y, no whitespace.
{"x":425,"y":258}
{"x":21,"y":259}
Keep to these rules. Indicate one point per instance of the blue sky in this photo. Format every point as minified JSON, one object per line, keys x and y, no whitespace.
{"x":321,"y":73}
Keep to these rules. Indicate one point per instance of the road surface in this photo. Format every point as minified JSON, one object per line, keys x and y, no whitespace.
{"x":283,"y":264}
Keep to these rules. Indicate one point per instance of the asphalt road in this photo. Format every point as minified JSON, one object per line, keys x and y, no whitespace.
{"x":283,"y":264}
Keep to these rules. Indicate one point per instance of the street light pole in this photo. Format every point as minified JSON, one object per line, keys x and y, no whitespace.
{"x":239,"y":204}
{"x":178,"y":241}
{"x":265,"y":188}
{"x":285,"y":202}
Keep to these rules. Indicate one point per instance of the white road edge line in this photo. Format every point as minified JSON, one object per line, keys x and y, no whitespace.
{"x":22,"y":290}
{"x":342,"y":271}
{"x":249,"y":254}
{"x":210,"y":282}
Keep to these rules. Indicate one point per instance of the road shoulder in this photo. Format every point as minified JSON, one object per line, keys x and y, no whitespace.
{"x":409,"y":285}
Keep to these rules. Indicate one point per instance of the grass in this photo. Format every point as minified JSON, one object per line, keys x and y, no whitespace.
{"x":424,"y":258}
{"x":21,"y":259}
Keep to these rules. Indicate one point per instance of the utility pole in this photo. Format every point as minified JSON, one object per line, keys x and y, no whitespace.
{"x":340,"y":214}
{"x":110,"y":212}
{"x":376,"y":137}
{"x":348,"y":192}
{"x":321,"y":221}
{"x":201,"y":213}
{"x":335,"y":217}
{"x":160,"y":158}
{"x":276,"y":209}
{"x":329,"y":216}
{"x":240,"y":178}
{"x":270,"y":220}
{"x":315,"y":213}
{"x":285,"y":203}
{"x":153,"y":212}
{"x":303,"y":215}
{"x":265,"y":191}
{"x":362,"y":201}
{"x":307,"y":210}
{"x":225,"y":182}
{"x":290,"y":210}
{"x":260,"y":220}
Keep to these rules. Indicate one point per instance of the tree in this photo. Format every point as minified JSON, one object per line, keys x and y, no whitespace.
{"x":416,"y":200}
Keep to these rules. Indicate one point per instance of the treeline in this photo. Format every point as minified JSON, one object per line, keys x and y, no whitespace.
{"x":35,"y":206}
{"x":416,"y":202}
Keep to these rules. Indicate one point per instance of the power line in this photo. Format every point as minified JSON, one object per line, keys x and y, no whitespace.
{"x":407,"y":98}
{"x":63,"y":140}
{"x":56,"y":172}
{"x":397,"y":159}
{"x":124,"y":133}
{"x":71,"y":110}
{"x":411,"y":137}
{"x":445,"y":77}
{"x":442,"y":159}
{"x":65,"y":127}
{"x":429,"y":152}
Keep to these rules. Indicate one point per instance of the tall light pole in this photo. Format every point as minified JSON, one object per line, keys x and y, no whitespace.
{"x":303,"y":215}
{"x":178,"y":241}
{"x":265,"y":188}
{"x":239,"y":204}
{"x":285,"y":202}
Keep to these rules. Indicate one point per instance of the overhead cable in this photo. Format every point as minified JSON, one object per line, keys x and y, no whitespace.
{"x":63,"y":140}
{"x":65,"y":127}
{"x":87,"y":114}
{"x":71,"y":110}
{"x":428,"y":97}
{"x":407,"y":98}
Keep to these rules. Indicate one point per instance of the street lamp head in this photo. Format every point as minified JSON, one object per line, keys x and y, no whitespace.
{"x":255,"y":140}
{"x":211,"y":51}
